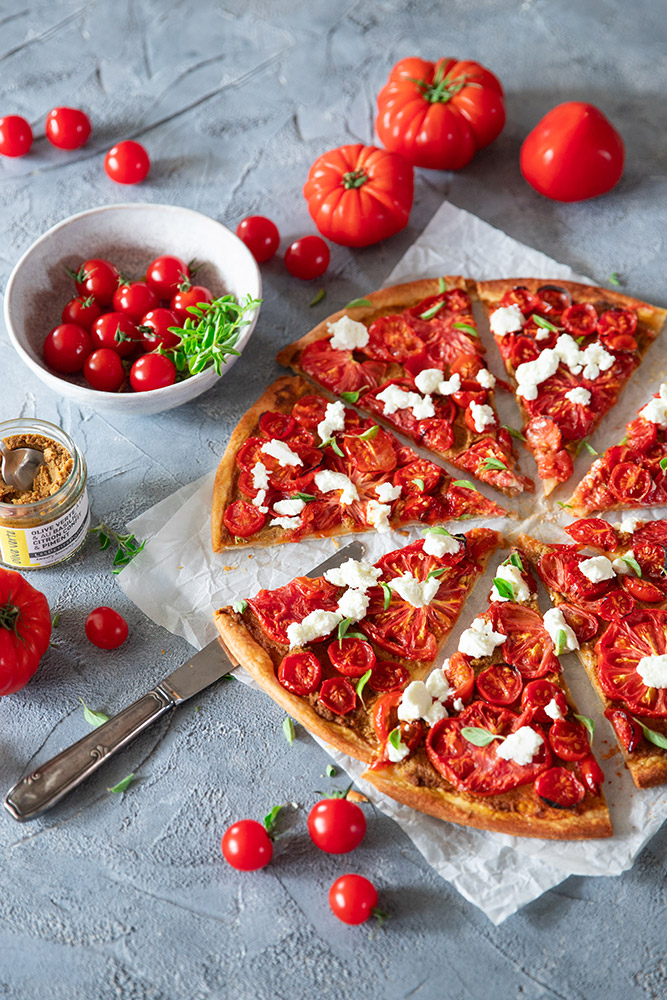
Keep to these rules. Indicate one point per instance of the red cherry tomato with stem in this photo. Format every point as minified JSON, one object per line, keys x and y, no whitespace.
{"x":188,"y":296}
{"x":127,"y":162}
{"x":104,"y":370}
{"x":105,"y":628}
{"x":15,"y":136}
{"x":336,"y":826}
{"x":152,"y":371}
{"x":166,"y":274}
{"x":115,"y":331}
{"x":67,"y":128}
{"x":81,"y":311}
{"x":134,"y":300}
{"x":66,"y":348}
{"x":353,"y":899}
{"x":247,"y":846}
{"x":307,"y":258}
{"x":260,"y":235}
{"x":154,"y":329}
{"x":97,"y":277}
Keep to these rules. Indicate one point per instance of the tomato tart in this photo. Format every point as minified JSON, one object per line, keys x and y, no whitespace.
{"x":501,"y":745}
{"x":328,"y":649}
{"x":570,"y":349}
{"x":632,"y":474}
{"x":298,"y":465}
{"x":411,"y":357}
{"x":613,"y":607}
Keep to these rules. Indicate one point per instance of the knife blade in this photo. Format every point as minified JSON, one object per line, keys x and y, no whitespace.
{"x":38,"y":791}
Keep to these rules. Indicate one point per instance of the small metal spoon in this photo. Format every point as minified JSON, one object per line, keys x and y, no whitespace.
{"x":19,"y":466}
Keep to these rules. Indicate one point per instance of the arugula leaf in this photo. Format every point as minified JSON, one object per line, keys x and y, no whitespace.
{"x":351,"y":397}
{"x":240,"y":606}
{"x":561,"y":641}
{"x":123,"y":785}
{"x":493,"y":463}
{"x":589,"y":726}
{"x":331,"y":771}
{"x":464,"y":482}
{"x":514,"y":432}
{"x":387,"y":595}
{"x":614,"y":279}
{"x":504,"y":588}
{"x":419,"y":483}
{"x":430,"y":313}
{"x":467,"y":328}
{"x":361,"y":684}
{"x":515,"y":560}
{"x":442,"y":285}
{"x":209,"y":334}
{"x":288,"y":730}
{"x":93,"y":718}
{"x":318,"y":298}
{"x":632,"y":563}
{"x":271,"y":819}
{"x":356,"y":303}
{"x":651,"y":735}
{"x":371,"y":433}
{"x":128,"y":546}
{"x":479,"y":737}
{"x":544,"y":323}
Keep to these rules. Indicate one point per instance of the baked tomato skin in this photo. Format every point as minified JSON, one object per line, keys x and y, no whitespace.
{"x":438,"y":114}
{"x":573,"y":153}
{"x":358,"y":195}
{"x":628,"y":731}
{"x":528,"y":646}
{"x":560,"y":788}
{"x":300,"y":673}
{"x":619,"y":651}
{"x":594,"y":531}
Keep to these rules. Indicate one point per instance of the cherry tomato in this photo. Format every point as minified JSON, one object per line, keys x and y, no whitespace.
{"x":627,"y":729}
{"x":66,"y":348}
{"x":353,"y":899}
{"x":247,"y":846}
{"x":127,"y":162}
{"x":499,"y":684}
{"x":351,"y":657}
{"x":152,"y":371}
{"x":388,"y":676}
{"x":104,"y":370}
{"x":243,"y":519}
{"x":300,"y":673}
{"x":569,"y":740}
{"x":276,"y":425}
{"x":560,"y":788}
{"x":106,"y":628}
{"x":154,"y":329}
{"x":260,"y":235}
{"x":99,"y":278}
{"x":337,"y":695}
{"x":592,"y":774}
{"x":67,"y":128}
{"x":186,"y":297}
{"x":81,"y":311}
{"x":15,"y":136}
{"x":135,"y":300}
{"x":165,"y":274}
{"x":116,"y":332}
{"x":336,"y":826}
{"x":573,"y":153}
{"x":307,"y":258}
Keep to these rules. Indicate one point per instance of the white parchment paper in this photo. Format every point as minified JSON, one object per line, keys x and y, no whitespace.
{"x":177,"y":581}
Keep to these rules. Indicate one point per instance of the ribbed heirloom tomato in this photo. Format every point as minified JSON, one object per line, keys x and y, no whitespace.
{"x":438,"y":114}
{"x":358,"y":195}
{"x":25,"y":631}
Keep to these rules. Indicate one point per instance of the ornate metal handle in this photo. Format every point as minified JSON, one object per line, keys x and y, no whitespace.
{"x":49,"y":783}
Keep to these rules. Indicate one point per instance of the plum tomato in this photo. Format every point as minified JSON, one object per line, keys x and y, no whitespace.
{"x":353,"y":899}
{"x":127,"y":162}
{"x":104,"y":370}
{"x":134,"y":300}
{"x":66,"y":348}
{"x":247,"y":846}
{"x":105,"y":628}
{"x":307,"y":258}
{"x":152,"y":371}
{"x":15,"y":136}
{"x":260,"y":235}
{"x":154,"y":329}
{"x":165,"y":274}
{"x":336,"y":826}
{"x":115,"y":331}
{"x":67,"y":128}
{"x":81,"y":311}
{"x":97,"y":277}
{"x":191,"y":295}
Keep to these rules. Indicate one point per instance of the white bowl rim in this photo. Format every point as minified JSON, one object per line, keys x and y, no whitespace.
{"x":83,"y":391}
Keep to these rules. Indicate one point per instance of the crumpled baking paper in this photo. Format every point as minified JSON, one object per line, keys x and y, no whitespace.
{"x":177,"y":581}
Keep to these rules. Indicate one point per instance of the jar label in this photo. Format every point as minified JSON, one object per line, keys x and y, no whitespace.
{"x":48,"y":543}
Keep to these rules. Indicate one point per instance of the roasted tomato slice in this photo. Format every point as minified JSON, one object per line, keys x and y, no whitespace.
{"x":592,"y":774}
{"x":569,"y":740}
{"x":403,"y":419}
{"x":275,"y":424}
{"x":321,"y":516}
{"x":499,"y":684}
{"x":575,"y":420}
{"x":583,"y":624}
{"x":437,"y":435}
{"x":537,"y":695}
{"x":419,"y":476}
{"x":391,"y":338}
{"x":543,"y":435}
{"x":427,"y":509}
{"x":384,"y":716}
{"x":627,"y":729}
{"x":460,"y":675}
{"x":454,"y":300}
{"x":641,"y":434}
{"x":351,"y":657}
{"x":642,"y":590}
{"x":553,"y":300}
{"x":242,"y":519}
{"x":596,"y":532}
{"x":528,"y":645}
{"x":616,"y":323}
{"x":338,"y":370}
{"x":467,"y":366}
{"x":619,"y":651}
{"x":337,"y":695}
{"x":580,"y":320}
{"x":388,"y":676}
{"x":376,"y":454}
{"x":521,"y":297}
{"x":300,"y":673}
{"x":276,"y":609}
{"x":629,"y":482}
{"x":560,"y":788}
{"x":651,"y":557}
{"x":520,"y":349}
{"x":616,"y":605}
{"x":309,"y":412}
{"x":558,"y":466}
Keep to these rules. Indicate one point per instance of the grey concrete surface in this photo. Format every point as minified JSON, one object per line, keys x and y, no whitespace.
{"x":127,"y":896}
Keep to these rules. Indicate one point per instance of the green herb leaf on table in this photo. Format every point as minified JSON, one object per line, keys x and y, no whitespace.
{"x":466,"y":328}
{"x":563,"y":505}
{"x":123,"y":785}
{"x":357,"y":303}
{"x":331,"y":771}
{"x":209,"y":334}
{"x":92,"y":717}
{"x":318,"y":298}
{"x":657,"y":739}
{"x":127,"y":545}
{"x":588,"y":724}
{"x":513,"y":432}
{"x":479,"y":737}
{"x":288,"y":730}
{"x":361,"y":684}
{"x":56,"y":620}
{"x":465,"y":483}
{"x":614,"y":279}
{"x":271,"y":819}
{"x":504,"y":588}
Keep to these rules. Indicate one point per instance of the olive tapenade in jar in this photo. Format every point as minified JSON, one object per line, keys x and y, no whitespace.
{"x":49,"y":522}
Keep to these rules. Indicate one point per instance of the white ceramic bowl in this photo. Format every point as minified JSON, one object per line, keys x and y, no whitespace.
{"x":131,"y":236}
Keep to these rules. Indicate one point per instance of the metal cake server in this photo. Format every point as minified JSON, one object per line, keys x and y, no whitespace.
{"x":19,"y":465}
{"x":49,"y":783}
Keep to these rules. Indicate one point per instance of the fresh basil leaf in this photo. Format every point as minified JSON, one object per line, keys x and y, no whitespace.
{"x":442,"y":285}
{"x":614,"y":279}
{"x":504,"y":588}
{"x":331,"y":771}
{"x":430,"y":313}
{"x":544,"y":323}
{"x":513,"y":432}
{"x":436,"y":529}
{"x":288,"y":730}
{"x":564,"y":506}
{"x":515,"y":560}
{"x":271,"y":819}
{"x":93,"y":718}
{"x":56,"y":620}
{"x":478,"y":737}
{"x":657,"y":739}
{"x":466,"y":328}
{"x":561,"y":641}
{"x":351,"y":397}
{"x":361,"y":684}
{"x":123,"y":785}
{"x":589,"y":726}
{"x":395,"y":738}
{"x":303,"y":496}
{"x":336,"y":448}
{"x":239,"y":606}
{"x":344,"y":631}
{"x":435,"y":573}
{"x":387,"y":595}
{"x":318,"y":298}
{"x":663,"y":463}
{"x":465,"y":483}
{"x":357,"y":303}
{"x":419,"y":483}
{"x":494,"y":463}
{"x":632,"y":563}
{"x":371,"y":433}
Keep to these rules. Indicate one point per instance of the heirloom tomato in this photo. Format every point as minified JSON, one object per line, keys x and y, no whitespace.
{"x":25,"y":630}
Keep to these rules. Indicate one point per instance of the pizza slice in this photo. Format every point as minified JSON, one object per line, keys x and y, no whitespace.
{"x":632,"y":474}
{"x":492,"y":739}
{"x":570,"y":348}
{"x":298,"y":465}
{"x":614,"y":611}
{"x":411,"y":356}
{"x":326,"y":649}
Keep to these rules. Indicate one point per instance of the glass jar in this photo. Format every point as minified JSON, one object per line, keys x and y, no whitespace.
{"x":47,"y":531}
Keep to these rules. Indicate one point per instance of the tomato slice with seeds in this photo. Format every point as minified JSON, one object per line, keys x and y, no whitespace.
{"x":388,"y":676}
{"x":374,"y":455}
{"x":616,"y":605}
{"x":275,"y":424}
{"x":391,"y":338}
{"x":243,"y":519}
{"x":383,"y":717}
{"x":521,"y":297}
{"x":580,"y":319}
{"x":351,"y":657}
{"x":309,"y":412}
{"x":629,"y":483}
{"x":300,"y":673}
{"x":558,"y":466}
{"x":594,"y":531}
{"x":560,"y":788}
{"x":437,"y":435}
{"x":569,"y":740}
{"x":628,"y":731}
{"x":651,"y":557}
{"x":338,"y":370}
{"x":420,"y":507}
{"x":407,"y":477}
{"x":460,"y":675}
{"x":543,"y":434}
{"x":583,"y":624}
{"x":321,"y":516}
{"x":553,"y":300}
{"x":619,"y":651}
{"x":276,"y":609}
{"x":537,"y":694}
{"x":337,"y":695}
{"x":614,"y":321}
{"x":592,"y":774}
{"x":528,"y":645}
{"x":499,"y":684}
{"x":574,"y":420}
{"x":642,"y":590}
{"x":467,"y":366}
{"x":641,"y":434}
{"x":403,"y":419}
{"x":453,"y":300}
